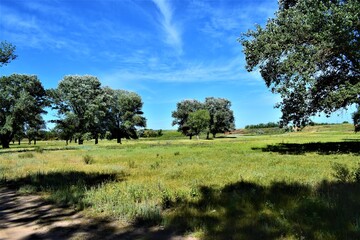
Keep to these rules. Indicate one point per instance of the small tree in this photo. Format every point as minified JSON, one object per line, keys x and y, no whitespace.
{"x":198,"y":122}
{"x":181,"y":115}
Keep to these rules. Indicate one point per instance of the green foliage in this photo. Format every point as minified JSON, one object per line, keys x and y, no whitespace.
{"x":7,"y":53}
{"x":309,"y":54}
{"x":279,"y":187}
{"x":39,"y":149}
{"x":26,"y":155}
{"x":198,"y":121}
{"x":22,"y":101}
{"x":125,"y":114}
{"x":221,"y":118}
{"x":181,"y":115}
{"x":88,"y":159}
{"x":82,"y":106}
{"x":262,"y":125}
{"x":343,"y":174}
{"x":150,"y":133}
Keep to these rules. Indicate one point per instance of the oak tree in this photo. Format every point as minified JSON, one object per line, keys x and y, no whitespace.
{"x":22,"y":100}
{"x":309,"y":53}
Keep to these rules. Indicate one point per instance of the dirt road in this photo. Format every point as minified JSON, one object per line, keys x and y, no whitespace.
{"x":28,"y":217}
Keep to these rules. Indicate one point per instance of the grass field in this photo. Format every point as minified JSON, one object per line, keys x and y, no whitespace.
{"x":303,"y":185}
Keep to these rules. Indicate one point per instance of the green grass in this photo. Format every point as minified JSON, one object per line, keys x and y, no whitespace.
{"x":285,"y":186}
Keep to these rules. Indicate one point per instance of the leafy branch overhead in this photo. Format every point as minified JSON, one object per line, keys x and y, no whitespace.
{"x":310,"y":55}
{"x":7,"y":53}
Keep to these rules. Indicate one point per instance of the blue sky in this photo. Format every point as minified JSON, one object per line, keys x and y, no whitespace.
{"x":166,"y":51}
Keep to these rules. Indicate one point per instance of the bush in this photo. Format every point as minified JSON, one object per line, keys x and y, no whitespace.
{"x":262,"y":125}
{"x":150,"y":133}
{"x":39,"y":149}
{"x":88,"y":159}
{"x":343,"y":174}
{"x":26,"y":155}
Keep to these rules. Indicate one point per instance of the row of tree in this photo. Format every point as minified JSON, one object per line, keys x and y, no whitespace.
{"x":213,"y":116}
{"x":84,"y":108}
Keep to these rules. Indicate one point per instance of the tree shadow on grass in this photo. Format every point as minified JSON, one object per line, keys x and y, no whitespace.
{"x":325,"y":148}
{"x":64,"y":188}
{"x":36,"y":218}
{"x":246,"y":210}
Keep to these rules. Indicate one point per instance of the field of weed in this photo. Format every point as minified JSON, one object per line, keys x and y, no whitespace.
{"x":303,"y":185}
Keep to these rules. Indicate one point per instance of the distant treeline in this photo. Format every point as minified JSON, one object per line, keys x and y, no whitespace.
{"x":149,"y":133}
{"x":262,"y":125}
{"x":274,"y":125}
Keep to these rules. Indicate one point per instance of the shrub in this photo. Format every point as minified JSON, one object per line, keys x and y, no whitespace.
{"x":39,"y":149}
{"x":88,"y":159}
{"x":343,"y":174}
{"x":131,"y":164}
{"x":26,"y":155}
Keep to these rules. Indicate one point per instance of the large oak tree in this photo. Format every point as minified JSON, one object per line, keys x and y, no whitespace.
{"x":125,"y":114}
{"x":82,"y":98}
{"x":22,"y":100}
{"x":309,"y":53}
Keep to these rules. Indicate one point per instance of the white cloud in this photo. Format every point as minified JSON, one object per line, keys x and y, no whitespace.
{"x":173,"y":34}
{"x":216,"y":71}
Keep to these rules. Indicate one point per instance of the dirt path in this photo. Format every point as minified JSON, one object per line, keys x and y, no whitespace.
{"x":29,"y":217}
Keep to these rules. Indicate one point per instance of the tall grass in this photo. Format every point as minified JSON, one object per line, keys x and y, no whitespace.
{"x":257,"y":187}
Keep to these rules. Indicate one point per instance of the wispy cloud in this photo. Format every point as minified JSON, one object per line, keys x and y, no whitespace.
{"x":216,"y":71}
{"x":173,"y":34}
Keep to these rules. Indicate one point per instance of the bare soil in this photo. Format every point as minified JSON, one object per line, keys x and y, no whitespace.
{"x":28,"y":217}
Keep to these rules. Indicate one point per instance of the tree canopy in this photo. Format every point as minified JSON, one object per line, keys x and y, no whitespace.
{"x":221,"y":117}
{"x":198,"y":121}
{"x":181,"y":115}
{"x":125,"y":114}
{"x":310,"y":55}
{"x":81,"y":101}
{"x":7,"y":53}
{"x":22,"y":101}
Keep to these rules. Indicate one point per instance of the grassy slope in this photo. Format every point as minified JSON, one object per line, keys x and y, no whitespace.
{"x":252,"y":187}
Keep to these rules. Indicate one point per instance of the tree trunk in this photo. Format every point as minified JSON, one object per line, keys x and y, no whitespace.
{"x":214,"y":134}
{"x":5,"y":144}
{"x":118,"y":139}
{"x":207,"y":135}
{"x":96,"y":140}
{"x":5,"y":139}
{"x":35,"y":141}
{"x":66,"y":142}
{"x":190,"y":136}
{"x":19,"y":141}
{"x":81,"y":141}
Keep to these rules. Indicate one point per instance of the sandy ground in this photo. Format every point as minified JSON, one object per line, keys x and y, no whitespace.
{"x":28,"y":217}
